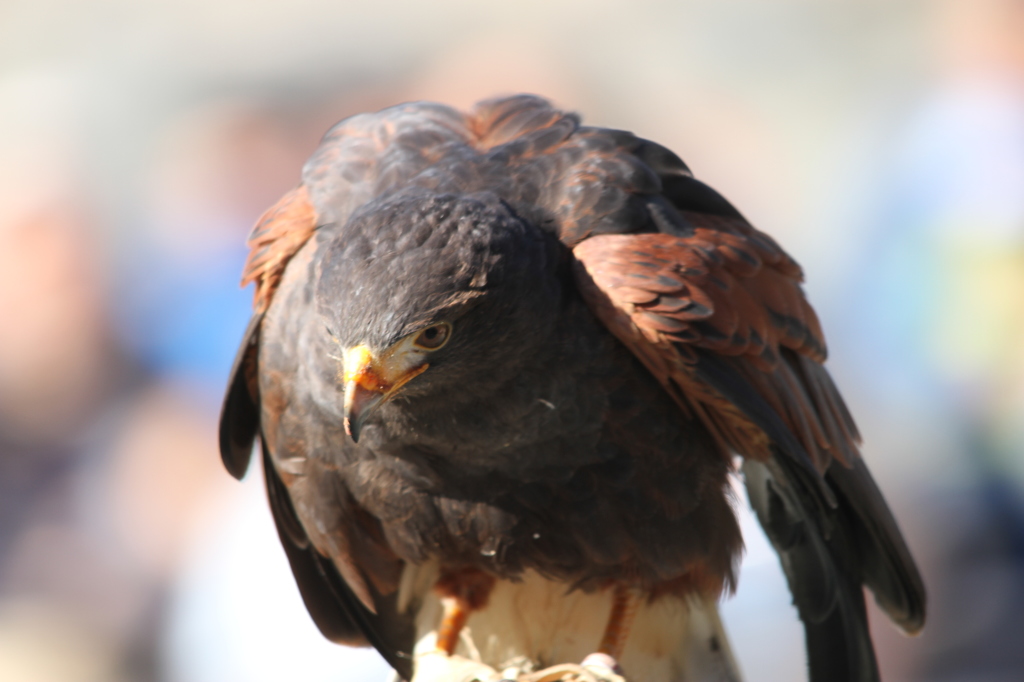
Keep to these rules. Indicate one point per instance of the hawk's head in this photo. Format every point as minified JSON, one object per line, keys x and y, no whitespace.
{"x":427,"y":293}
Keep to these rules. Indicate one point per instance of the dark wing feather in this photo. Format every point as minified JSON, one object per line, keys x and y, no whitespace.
{"x":240,"y":413}
{"x":278,"y":235}
{"x":828,"y":551}
{"x":332,"y":604}
{"x":715,"y":311}
{"x":885,"y":562}
{"x":818,"y":552}
{"x":338,"y":612}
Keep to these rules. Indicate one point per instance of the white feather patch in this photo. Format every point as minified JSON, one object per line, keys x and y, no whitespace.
{"x":672,"y":640}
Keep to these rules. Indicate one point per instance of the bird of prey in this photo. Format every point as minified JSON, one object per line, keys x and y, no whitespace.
{"x":501,"y":366}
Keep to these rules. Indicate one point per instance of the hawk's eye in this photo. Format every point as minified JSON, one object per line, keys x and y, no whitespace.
{"x":433,"y":337}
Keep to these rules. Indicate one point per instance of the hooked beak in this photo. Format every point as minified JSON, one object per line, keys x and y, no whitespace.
{"x":370,"y":381}
{"x":359,"y":404}
{"x":364,"y":388}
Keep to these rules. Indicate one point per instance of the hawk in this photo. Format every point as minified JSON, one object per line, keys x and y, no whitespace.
{"x":500,"y":367}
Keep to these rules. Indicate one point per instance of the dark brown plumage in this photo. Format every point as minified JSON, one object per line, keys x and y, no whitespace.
{"x":548,"y":340}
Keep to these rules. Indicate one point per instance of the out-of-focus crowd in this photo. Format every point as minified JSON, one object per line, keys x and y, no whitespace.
{"x":881,"y":142}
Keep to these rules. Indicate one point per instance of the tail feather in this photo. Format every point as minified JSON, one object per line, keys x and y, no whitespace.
{"x":888,"y":569}
{"x":820,"y":557}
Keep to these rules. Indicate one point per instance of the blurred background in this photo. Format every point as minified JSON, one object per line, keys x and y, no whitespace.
{"x":880,"y":141}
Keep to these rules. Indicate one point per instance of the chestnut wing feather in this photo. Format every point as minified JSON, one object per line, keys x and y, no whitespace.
{"x":724,"y":291}
{"x":714,"y":309}
{"x":278,"y":235}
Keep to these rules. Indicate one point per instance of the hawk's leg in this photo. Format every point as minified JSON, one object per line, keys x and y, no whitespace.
{"x":625,"y":601}
{"x":462,"y":591}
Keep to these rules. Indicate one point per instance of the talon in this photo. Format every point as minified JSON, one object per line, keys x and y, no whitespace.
{"x":455,"y":615}
{"x":620,"y":621}
{"x":462,"y":592}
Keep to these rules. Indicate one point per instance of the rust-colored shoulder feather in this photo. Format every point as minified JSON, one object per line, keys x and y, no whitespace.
{"x":729,"y":290}
{"x":278,"y":235}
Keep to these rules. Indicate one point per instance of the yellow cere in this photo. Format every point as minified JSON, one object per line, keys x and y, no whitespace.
{"x":360,"y":369}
